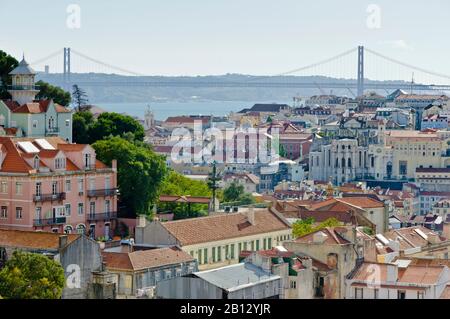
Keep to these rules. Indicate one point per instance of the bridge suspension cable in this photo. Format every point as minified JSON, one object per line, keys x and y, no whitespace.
{"x":410,"y":66}
{"x":106,"y":64}
{"x":48,"y":57}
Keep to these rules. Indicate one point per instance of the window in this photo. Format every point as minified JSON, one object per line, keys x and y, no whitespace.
{"x":38,"y":213}
{"x":36,"y":162}
{"x":68,"y":229}
{"x":4,"y":212}
{"x":38,"y":188}
{"x":358,"y":293}
{"x":257,"y":244}
{"x":375,"y":294}
{"x":81,"y":229}
{"x":107,"y":182}
{"x":232,"y":251}
{"x":4,"y":187}
{"x":214,"y":254}
{"x":227,"y":252}
{"x":264,"y":244}
{"x":239,"y":248}
{"x":269,"y":243}
{"x":401,"y":294}
{"x":403,"y":167}
{"x":293,"y":284}
{"x":205,"y":255}
{"x":200,"y":260}
{"x":80,"y":185}
{"x":19,"y":213}
{"x":87,"y":160}
{"x":18,"y":188}
{"x":420,"y":295}
{"x":68,"y":185}
{"x":80,"y":208}
{"x":67,"y":123}
{"x":219,"y":253}
{"x":35,"y":124}
{"x":68,"y":210}
{"x":92,"y":208}
{"x":60,"y":163}
{"x":54,"y":188}
{"x":91,"y":183}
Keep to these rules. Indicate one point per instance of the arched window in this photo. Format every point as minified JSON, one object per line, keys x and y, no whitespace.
{"x":360,"y":158}
{"x":337,"y":163}
{"x":81,"y":229}
{"x":349,"y":163}
{"x":343,"y":162}
{"x":68,"y":229}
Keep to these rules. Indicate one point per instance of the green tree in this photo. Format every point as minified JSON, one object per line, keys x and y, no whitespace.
{"x":306,"y":226}
{"x":79,"y":97}
{"x":177,"y":184}
{"x":58,"y":95}
{"x":31,"y":276}
{"x":115,"y":124}
{"x":7,"y":64}
{"x":80,"y":127}
{"x":233,"y":192}
{"x":140,"y":172}
{"x":213,"y":178}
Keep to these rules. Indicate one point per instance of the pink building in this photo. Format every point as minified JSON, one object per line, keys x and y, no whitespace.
{"x":50,"y":185}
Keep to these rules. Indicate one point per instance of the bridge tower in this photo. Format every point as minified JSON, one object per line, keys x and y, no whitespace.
{"x":360,"y":70}
{"x":66,"y":65}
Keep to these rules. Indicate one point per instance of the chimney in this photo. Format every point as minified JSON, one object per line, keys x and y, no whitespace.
{"x":250,"y":214}
{"x":114,"y":164}
{"x":141,"y":221}
{"x":392,"y":273}
{"x":62,"y":241}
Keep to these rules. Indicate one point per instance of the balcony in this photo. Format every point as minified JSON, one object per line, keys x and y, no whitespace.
{"x":49,"y":197}
{"x":49,"y":221}
{"x":102,"y":217}
{"x":102,"y":192}
{"x":52,"y":130}
{"x":23,"y":87}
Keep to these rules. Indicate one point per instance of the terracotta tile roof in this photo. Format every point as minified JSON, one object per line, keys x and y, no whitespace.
{"x":421,"y":275}
{"x":70,"y":166}
{"x":99,"y":164}
{"x":48,"y":153}
{"x":225,"y":226}
{"x":145,"y":259}
{"x":333,"y":236}
{"x":35,"y":107}
{"x":13,"y":162}
{"x":184,"y":199}
{"x":32,"y":240}
{"x":12,"y":131}
{"x":363,"y":202}
{"x":71,"y":147}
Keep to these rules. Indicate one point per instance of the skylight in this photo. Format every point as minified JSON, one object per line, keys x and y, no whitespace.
{"x":28,"y":147}
{"x":44,"y":144}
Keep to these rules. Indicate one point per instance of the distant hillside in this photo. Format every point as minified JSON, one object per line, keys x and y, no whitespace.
{"x":118,"y":94}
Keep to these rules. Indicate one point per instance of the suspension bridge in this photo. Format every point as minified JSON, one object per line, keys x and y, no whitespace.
{"x":357,"y":69}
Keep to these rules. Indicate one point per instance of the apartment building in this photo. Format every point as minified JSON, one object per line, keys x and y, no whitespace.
{"x":31,"y":117}
{"x":50,"y":185}
{"x":216,"y":240}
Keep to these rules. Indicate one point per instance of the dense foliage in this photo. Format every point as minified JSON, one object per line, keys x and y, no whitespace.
{"x":177,"y":184}
{"x":140,"y":172}
{"x":235,"y":193}
{"x":88,"y":130}
{"x":306,"y":226}
{"x":31,"y":276}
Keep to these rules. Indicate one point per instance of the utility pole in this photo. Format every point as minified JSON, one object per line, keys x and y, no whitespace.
{"x":212,"y":184}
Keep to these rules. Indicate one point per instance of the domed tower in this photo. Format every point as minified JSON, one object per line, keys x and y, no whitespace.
{"x":23,"y":89}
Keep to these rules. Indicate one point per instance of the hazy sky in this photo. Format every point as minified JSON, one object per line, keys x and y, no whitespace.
{"x":198,"y":37}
